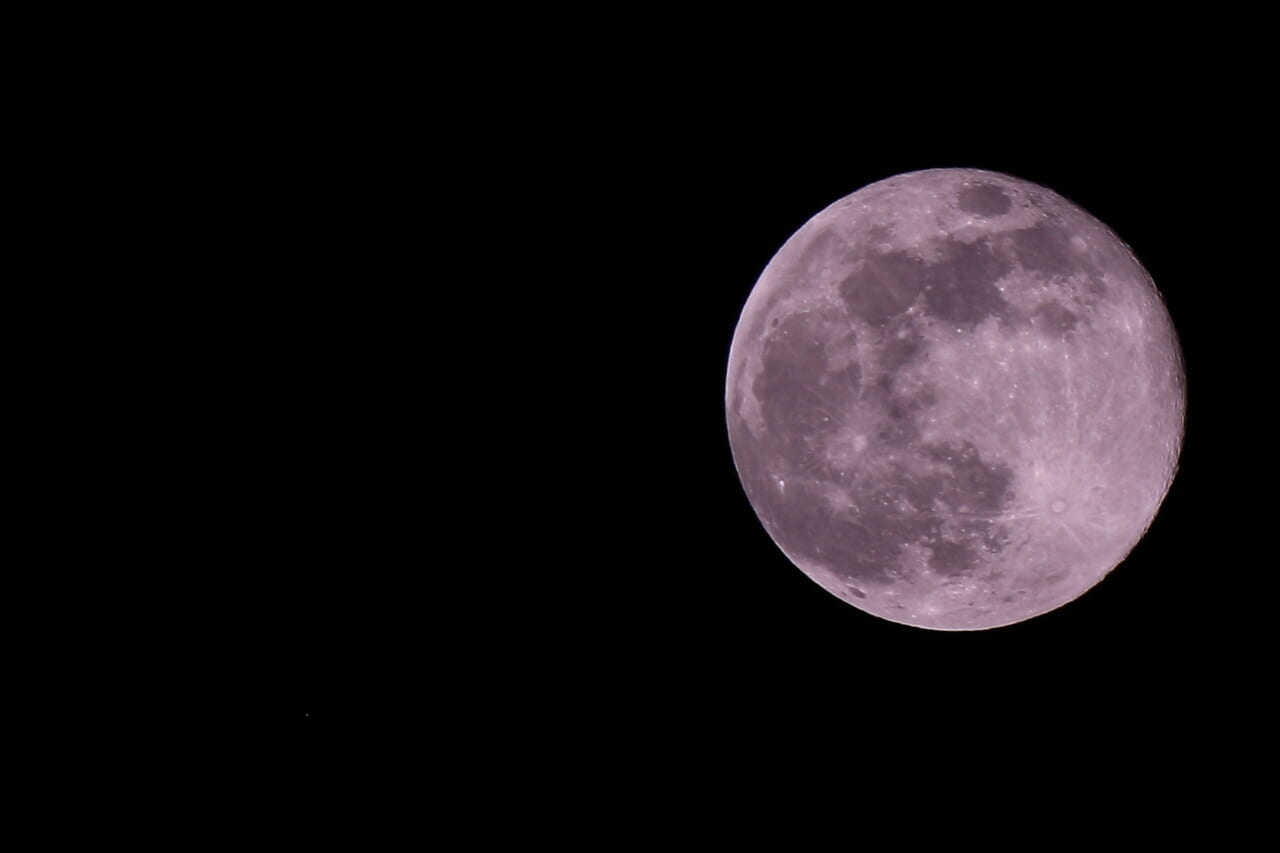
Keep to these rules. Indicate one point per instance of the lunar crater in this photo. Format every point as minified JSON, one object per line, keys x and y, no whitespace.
{"x":986,"y":200}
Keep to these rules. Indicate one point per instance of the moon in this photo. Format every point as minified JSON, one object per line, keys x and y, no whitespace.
{"x":955,"y":399}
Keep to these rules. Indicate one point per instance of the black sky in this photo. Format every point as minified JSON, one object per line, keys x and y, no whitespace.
{"x":604,"y":580}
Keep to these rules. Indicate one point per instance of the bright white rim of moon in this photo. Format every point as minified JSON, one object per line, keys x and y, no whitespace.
{"x":955,"y":399}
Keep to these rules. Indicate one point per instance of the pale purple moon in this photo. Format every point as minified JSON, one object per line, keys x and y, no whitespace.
{"x":955,"y":399}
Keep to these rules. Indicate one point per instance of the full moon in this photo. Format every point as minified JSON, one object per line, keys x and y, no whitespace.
{"x":955,"y":399}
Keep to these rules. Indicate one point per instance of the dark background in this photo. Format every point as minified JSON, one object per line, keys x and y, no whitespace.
{"x":387,"y":430}
{"x":519,"y":516}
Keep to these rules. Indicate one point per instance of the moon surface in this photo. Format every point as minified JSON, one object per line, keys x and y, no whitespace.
{"x":955,"y":399}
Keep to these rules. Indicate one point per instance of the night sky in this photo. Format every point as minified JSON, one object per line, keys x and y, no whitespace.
{"x":500,"y":489}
